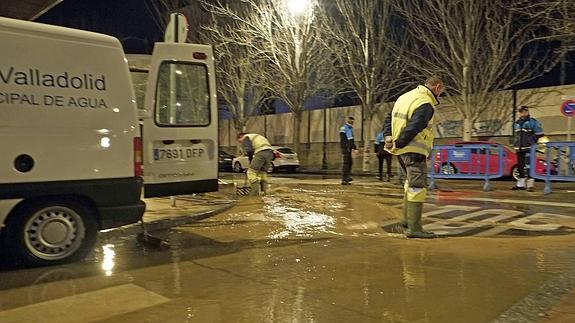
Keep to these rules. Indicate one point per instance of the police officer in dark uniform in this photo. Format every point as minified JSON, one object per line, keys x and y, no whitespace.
{"x":347,"y":147}
{"x":527,"y":132}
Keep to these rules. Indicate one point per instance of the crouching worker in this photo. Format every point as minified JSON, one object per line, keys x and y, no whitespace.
{"x":260,"y":153}
{"x":409,"y":135}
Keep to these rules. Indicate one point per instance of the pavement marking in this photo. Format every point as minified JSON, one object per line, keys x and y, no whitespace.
{"x":456,"y":220}
{"x":539,"y":303}
{"x":90,"y":306}
{"x":450,"y":208}
{"x":511,"y":201}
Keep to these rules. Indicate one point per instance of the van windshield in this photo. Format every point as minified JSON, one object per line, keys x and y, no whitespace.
{"x":182,"y":95}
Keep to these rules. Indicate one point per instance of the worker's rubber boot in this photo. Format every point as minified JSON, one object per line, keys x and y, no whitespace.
{"x":264,"y":184}
{"x":255,"y":189}
{"x":530,"y":183}
{"x":403,"y":223}
{"x":414,"y":227}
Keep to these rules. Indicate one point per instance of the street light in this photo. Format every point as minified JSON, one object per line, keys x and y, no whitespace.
{"x":298,"y":7}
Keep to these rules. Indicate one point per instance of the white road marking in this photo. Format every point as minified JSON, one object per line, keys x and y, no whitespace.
{"x":511,"y":201}
{"x":450,"y":208}
{"x":496,"y":212}
{"x":91,"y":306}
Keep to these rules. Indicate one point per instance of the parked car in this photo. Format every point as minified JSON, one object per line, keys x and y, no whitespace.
{"x":478,"y":159}
{"x":225,"y":161}
{"x":284,"y":159}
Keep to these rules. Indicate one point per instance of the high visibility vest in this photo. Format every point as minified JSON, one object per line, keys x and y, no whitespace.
{"x":402,"y":111}
{"x":259,"y":142}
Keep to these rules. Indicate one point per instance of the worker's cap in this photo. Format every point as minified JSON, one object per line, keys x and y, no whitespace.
{"x":523,"y":108}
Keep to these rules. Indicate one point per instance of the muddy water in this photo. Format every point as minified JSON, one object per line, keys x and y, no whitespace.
{"x":342,"y":266}
{"x":299,"y":255}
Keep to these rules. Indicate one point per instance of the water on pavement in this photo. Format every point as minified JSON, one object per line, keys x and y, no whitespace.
{"x":312,"y":253}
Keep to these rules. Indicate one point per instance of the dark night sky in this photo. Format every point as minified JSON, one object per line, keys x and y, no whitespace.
{"x":133,"y":22}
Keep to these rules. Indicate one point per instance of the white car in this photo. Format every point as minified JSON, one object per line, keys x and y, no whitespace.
{"x":285,"y":158}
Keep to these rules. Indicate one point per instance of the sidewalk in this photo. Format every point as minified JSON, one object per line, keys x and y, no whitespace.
{"x":161,"y":215}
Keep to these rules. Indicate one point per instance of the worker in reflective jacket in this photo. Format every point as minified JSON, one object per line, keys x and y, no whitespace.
{"x":409,"y":134}
{"x":260,"y":152}
{"x":527,"y":132}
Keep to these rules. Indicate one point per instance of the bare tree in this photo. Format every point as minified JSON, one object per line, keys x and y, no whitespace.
{"x":299,"y":64}
{"x":557,"y":16}
{"x":237,"y":70}
{"x":558,"y":19}
{"x":367,"y":55}
{"x":476,"y":46}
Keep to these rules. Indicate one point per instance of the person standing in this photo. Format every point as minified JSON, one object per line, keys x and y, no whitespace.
{"x":409,"y":134}
{"x":527,"y":132}
{"x":382,"y":155}
{"x":260,"y":152}
{"x":347,"y":148}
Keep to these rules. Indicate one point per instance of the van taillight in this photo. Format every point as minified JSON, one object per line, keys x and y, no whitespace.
{"x":200,"y":55}
{"x":137,"y":156}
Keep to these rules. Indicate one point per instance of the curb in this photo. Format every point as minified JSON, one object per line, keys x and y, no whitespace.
{"x":135,"y":228}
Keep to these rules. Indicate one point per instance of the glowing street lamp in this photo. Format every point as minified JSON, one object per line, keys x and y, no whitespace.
{"x":298,"y":7}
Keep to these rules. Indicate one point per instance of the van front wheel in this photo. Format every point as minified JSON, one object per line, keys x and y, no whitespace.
{"x":51,"y":232}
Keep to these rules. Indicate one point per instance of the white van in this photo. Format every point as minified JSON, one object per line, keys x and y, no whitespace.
{"x":70,"y":146}
{"x":177,"y":105}
{"x":71,"y":154}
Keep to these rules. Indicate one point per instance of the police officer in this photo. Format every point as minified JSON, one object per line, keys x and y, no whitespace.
{"x":260,"y":152}
{"x":347,"y":147}
{"x":409,"y":134}
{"x":382,"y":155}
{"x":527,"y":132}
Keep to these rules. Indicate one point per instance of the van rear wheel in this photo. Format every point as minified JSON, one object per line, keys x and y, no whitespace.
{"x":51,"y":232}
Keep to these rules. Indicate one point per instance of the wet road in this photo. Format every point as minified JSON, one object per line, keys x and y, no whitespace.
{"x":314,"y":251}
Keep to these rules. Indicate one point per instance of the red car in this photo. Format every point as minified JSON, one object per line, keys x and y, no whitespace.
{"x":478,"y":160}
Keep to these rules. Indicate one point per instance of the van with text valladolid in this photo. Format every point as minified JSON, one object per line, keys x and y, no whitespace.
{"x":71,"y":142}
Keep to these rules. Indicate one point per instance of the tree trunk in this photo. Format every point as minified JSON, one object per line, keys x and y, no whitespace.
{"x":467,"y":128}
{"x":296,"y":131}
{"x":240,"y":126}
{"x":367,"y":145}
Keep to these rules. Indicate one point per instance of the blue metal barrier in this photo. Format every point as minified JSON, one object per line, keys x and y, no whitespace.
{"x":466,"y":162}
{"x":559,"y":163}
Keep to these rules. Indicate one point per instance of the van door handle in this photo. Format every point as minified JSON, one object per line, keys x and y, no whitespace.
{"x":167,"y":142}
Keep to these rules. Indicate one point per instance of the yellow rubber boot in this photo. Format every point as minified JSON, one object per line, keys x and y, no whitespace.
{"x":264,"y":184}
{"x":254,"y":182}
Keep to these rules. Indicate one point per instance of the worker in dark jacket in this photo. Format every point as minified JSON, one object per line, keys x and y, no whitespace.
{"x":409,"y":134}
{"x":347,"y":148}
{"x":382,"y":155}
{"x":527,"y":132}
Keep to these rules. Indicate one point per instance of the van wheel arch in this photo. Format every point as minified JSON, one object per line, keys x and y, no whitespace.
{"x":81,"y":212}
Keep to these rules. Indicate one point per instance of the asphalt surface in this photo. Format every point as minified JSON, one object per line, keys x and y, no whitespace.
{"x":316,"y":251}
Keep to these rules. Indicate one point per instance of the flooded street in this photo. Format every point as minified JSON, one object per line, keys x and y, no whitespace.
{"x":313,"y":251}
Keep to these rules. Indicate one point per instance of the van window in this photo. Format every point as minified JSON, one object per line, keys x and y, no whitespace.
{"x":140,"y":81}
{"x":182,"y":95}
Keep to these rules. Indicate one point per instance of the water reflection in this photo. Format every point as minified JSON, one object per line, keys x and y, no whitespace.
{"x":108,"y":259}
{"x":301,"y":223}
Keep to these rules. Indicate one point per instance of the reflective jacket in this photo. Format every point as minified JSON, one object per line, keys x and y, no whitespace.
{"x":346,"y":138}
{"x":527,"y":131}
{"x":254,"y":143}
{"x":412,"y":122}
